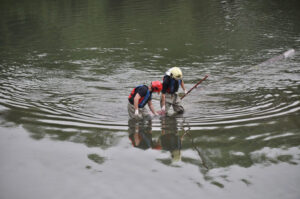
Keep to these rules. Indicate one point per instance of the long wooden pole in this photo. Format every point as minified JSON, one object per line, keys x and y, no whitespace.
{"x":206,"y":76}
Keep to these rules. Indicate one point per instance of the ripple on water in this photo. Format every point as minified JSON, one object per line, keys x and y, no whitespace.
{"x":70,"y":111}
{"x":89,"y":92}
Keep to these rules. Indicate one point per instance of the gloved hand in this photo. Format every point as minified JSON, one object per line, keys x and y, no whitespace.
{"x":185,"y":91}
{"x":137,"y":115}
{"x":136,"y":112}
{"x":153,"y":114}
{"x":163,"y":108}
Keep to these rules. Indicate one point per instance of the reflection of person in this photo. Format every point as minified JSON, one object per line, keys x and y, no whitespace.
{"x":140,"y":134}
{"x":170,"y":139}
{"x":171,"y":82}
{"x":139,"y":97}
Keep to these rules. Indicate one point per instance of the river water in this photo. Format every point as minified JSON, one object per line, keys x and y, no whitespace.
{"x":67,"y":68}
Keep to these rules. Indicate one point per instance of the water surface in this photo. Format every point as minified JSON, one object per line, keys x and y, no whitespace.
{"x":67,"y":68}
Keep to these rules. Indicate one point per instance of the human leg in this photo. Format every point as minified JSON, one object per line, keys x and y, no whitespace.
{"x":177,"y":105}
{"x":169,"y":101}
{"x":144,"y":112}
{"x":131,"y":110}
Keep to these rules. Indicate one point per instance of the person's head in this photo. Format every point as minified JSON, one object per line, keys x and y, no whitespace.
{"x":156,"y":86}
{"x":176,"y":73}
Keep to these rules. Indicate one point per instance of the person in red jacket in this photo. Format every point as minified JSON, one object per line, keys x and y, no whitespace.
{"x":139,"y":97}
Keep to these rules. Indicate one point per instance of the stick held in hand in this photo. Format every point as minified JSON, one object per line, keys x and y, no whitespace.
{"x":206,"y":76}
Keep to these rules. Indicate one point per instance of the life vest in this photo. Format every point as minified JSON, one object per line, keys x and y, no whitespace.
{"x":143,"y":100}
{"x":172,"y":82}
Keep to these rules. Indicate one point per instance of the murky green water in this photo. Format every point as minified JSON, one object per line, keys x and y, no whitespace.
{"x":66,"y":70}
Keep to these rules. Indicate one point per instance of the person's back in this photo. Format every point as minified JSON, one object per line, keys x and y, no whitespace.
{"x":139,"y":97}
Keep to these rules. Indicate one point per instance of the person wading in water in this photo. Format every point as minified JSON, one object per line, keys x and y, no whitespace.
{"x":139,"y":97}
{"x":171,"y":82}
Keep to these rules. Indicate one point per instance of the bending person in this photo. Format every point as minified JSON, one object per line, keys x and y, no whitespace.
{"x":171,"y":82}
{"x":139,"y":97}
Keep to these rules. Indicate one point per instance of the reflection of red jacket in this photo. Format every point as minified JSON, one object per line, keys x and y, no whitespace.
{"x":146,"y":140}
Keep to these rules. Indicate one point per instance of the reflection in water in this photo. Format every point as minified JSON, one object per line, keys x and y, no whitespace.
{"x":140,"y":133}
{"x":170,"y":139}
{"x":141,"y":136}
{"x":218,"y":148}
{"x":187,"y":133}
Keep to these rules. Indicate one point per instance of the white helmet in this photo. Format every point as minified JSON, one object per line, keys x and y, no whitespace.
{"x":175,"y":72}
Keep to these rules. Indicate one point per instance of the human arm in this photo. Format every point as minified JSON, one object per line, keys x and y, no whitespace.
{"x":136,"y":103}
{"x":151,"y":107}
{"x":183,"y":87}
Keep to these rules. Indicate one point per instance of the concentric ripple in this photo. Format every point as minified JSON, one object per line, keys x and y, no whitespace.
{"x":92,"y":93}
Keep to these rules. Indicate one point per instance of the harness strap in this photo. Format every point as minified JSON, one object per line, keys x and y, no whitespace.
{"x":144,"y":100}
